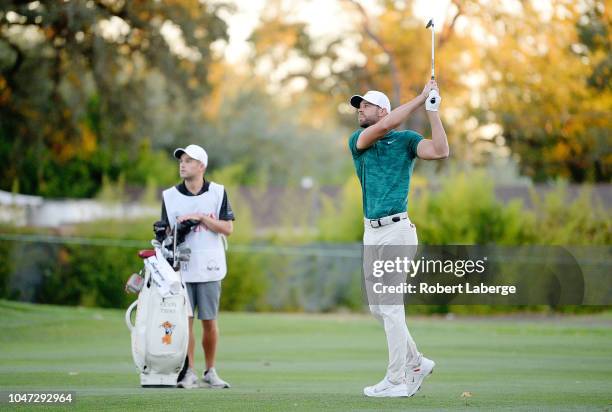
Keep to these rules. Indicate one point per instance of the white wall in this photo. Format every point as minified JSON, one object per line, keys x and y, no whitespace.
{"x":24,"y":210}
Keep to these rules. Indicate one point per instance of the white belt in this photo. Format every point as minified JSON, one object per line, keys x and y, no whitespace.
{"x":387,"y":220}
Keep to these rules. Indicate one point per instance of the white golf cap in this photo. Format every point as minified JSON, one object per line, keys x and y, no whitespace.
{"x":375,"y":97}
{"x":194,"y":151}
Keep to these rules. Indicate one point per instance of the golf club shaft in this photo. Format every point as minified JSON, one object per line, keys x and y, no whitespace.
{"x":433,"y":75}
{"x":174,"y":259}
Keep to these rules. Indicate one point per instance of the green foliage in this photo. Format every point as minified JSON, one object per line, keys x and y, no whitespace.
{"x":54,"y":174}
{"x":82,"y":83}
{"x":6,"y":268}
{"x":557,"y":132}
{"x":94,"y":275}
{"x":465,"y":211}
{"x":150,"y":164}
{"x":559,"y":221}
{"x":112,"y":191}
{"x":273,"y":143}
{"x":462,"y":211}
{"x":594,"y":33}
{"x":89,"y":276}
{"x":151,"y":193}
{"x":554,"y":118}
{"x":136,"y":229}
{"x":245,"y":286}
{"x":151,"y":169}
{"x":342,"y":221}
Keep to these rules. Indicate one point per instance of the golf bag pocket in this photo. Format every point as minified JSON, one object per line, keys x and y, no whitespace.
{"x":166,"y":333}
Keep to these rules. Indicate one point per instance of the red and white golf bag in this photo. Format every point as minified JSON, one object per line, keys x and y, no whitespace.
{"x":160,"y":333}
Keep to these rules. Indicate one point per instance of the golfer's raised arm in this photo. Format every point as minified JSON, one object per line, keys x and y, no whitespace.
{"x":436,"y":147}
{"x":393,"y":120}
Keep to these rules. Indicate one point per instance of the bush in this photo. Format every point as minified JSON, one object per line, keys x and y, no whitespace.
{"x":89,"y":276}
{"x":559,"y":221}
{"x":6,"y":268}
{"x":343,"y":221}
{"x":465,"y":211}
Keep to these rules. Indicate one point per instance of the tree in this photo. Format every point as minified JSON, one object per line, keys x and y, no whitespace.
{"x":546,"y":87}
{"x":516,"y":80}
{"x":266,"y":140}
{"x":83,"y":82}
{"x":390,"y":52}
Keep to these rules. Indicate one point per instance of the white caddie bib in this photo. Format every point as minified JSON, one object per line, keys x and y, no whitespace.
{"x":207,"y":262}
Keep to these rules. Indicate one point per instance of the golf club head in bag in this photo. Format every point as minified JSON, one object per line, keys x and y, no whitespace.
{"x":160,"y":228}
{"x":183,"y":228}
{"x":174,"y":252}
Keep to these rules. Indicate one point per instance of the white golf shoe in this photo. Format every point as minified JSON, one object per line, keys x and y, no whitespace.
{"x":387,"y":389}
{"x":189,"y":381}
{"x":416,"y":375}
{"x":212,"y":380}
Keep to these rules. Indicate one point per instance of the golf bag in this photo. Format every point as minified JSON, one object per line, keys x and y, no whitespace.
{"x":160,"y":333}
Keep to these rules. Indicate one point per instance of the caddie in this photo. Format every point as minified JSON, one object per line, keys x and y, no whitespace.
{"x":207,"y":202}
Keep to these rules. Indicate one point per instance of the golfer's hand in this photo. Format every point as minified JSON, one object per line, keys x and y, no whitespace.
{"x":433,"y":99}
{"x":431,"y":85}
{"x":432,"y":104}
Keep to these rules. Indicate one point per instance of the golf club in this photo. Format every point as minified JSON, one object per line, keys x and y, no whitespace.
{"x":175,"y":263}
{"x":431,"y":24}
{"x":433,"y":94}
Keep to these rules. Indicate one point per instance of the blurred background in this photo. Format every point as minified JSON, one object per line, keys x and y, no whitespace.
{"x":96,"y":94}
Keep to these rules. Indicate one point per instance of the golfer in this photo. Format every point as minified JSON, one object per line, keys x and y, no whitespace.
{"x":207,"y":202}
{"x":384,"y":159}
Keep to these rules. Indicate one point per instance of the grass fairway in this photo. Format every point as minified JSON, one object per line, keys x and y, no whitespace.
{"x":316,"y":362}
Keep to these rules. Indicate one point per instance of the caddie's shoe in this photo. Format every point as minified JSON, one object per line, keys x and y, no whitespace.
{"x":189,"y":381}
{"x":212,"y":380}
{"x":386,"y":389}
{"x":416,"y":375}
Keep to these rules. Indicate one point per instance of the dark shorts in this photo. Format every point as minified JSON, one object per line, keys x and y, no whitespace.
{"x":205,"y":296}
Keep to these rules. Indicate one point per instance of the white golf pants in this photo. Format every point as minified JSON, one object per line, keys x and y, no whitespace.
{"x":403,"y":352}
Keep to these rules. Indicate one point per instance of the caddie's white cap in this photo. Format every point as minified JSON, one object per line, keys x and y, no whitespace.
{"x":194,"y":151}
{"x":375,"y":97}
